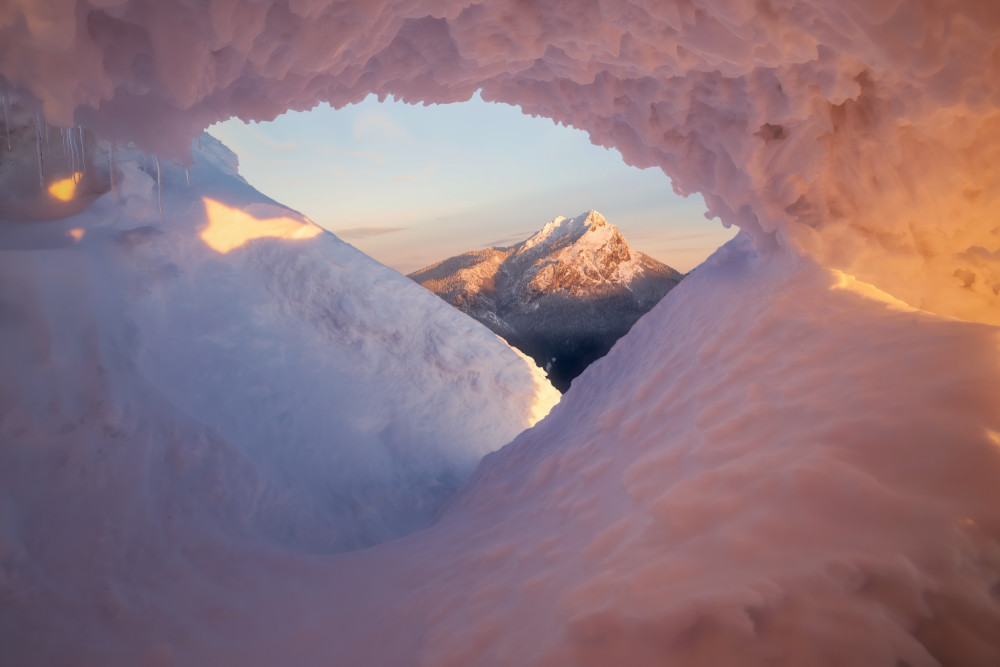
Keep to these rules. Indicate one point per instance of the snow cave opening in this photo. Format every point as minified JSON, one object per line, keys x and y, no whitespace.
{"x":798,"y":459}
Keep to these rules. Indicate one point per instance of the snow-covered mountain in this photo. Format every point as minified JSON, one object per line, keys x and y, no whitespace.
{"x":563,"y":296}
{"x":258,"y":373}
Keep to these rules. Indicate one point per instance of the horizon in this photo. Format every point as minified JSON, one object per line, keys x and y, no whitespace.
{"x":393,"y":180}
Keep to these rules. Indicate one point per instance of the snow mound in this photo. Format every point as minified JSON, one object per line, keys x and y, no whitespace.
{"x":311,"y":396}
{"x":754,"y":475}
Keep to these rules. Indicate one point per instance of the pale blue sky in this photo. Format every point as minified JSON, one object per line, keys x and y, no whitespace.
{"x":411,"y":185}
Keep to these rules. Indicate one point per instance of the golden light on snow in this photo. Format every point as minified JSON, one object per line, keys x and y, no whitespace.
{"x":65,"y":189}
{"x":993,"y":436}
{"x":542,"y":405}
{"x":546,"y":396}
{"x":229,"y":228}
{"x":845,"y":281}
{"x":76,"y":233}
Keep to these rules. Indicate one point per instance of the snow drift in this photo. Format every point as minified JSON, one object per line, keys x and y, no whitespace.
{"x":777,"y":465}
{"x":312,"y":396}
{"x":793,"y":459}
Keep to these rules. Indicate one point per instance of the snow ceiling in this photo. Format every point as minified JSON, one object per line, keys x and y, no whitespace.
{"x":864,"y":133}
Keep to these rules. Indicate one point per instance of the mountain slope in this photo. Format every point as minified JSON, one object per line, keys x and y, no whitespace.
{"x":563,"y":296}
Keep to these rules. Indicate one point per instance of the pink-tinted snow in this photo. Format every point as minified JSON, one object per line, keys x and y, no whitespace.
{"x":794,"y":459}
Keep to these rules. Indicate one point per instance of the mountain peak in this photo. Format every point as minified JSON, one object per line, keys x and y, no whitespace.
{"x":594,"y":220}
{"x":562,"y":232}
{"x":563,"y":296}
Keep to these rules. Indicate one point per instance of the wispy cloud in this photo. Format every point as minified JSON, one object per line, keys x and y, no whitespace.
{"x":509,"y":240}
{"x":426,"y":170}
{"x":691,"y":237}
{"x":366,"y":232}
{"x":337,"y":152}
{"x":380,"y":125}
{"x":373,"y":156}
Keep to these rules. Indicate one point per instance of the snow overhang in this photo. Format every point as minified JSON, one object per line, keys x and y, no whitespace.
{"x":864,"y":133}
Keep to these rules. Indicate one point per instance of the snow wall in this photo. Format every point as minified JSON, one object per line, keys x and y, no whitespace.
{"x":864,"y":132}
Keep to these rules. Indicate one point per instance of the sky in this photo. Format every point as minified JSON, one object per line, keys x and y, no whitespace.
{"x":412,"y":185}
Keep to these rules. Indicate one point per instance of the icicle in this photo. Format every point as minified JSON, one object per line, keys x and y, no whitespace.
{"x":48,"y":144}
{"x":38,"y":146}
{"x":187,"y":175}
{"x":83,"y":151}
{"x":159,"y":186}
{"x":67,"y":150}
{"x":111,"y":171}
{"x":6,"y":121}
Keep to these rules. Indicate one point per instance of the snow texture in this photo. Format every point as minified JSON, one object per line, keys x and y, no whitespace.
{"x":755,"y":475}
{"x":864,"y":132}
{"x":792,"y":459}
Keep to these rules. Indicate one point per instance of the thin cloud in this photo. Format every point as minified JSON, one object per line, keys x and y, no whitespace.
{"x":378,"y":124}
{"x":692,"y":237}
{"x":370,"y":155}
{"x":510,"y":240}
{"x":419,"y":173}
{"x":336,"y":151}
{"x":366,"y":232}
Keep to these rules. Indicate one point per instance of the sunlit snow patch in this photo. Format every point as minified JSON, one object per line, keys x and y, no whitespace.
{"x":844,"y":281}
{"x":64,"y":189}
{"x":229,"y":228}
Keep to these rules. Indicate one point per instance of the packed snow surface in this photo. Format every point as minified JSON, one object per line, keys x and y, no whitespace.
{"x":793,"y":459}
